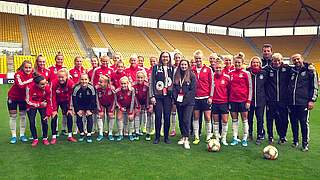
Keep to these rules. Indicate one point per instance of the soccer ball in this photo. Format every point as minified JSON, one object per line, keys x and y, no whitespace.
{"x":213,"y":145}
{"x":270,"y":152}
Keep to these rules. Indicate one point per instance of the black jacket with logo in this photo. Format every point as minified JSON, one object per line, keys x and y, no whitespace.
{"x":158,"y":78}
{"x":258,"y":84}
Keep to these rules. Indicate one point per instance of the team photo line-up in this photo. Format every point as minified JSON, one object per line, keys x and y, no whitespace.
{"x":143,"y":100}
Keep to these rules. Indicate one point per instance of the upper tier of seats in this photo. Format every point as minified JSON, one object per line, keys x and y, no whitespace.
{"x":10,"y":28}
{"x":90,"y":35}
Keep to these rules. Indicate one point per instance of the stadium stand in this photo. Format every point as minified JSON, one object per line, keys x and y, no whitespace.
{"x":49,"y":36}
{"x":90,"y":35}
{"x":3,"y":64}
{"x":10,"y":28}
{"x":156,"y":38}
{"x":127,"y":40}
{"x":205,"y":39}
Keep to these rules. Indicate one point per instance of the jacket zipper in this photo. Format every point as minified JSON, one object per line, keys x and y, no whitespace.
{"x":278,"y":93}
{"x":294,"y":90}
{"x":255,"y":90}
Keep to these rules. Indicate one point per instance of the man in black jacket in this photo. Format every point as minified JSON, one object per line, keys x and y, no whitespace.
{"x":303,"y":92}
{"x":266,"y":55}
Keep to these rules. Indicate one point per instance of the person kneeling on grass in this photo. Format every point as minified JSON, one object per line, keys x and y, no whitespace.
{"x":126,"y":102}
{"x":107,"y":104}
{"x":38,"y":99}
{"x":84,"y":102}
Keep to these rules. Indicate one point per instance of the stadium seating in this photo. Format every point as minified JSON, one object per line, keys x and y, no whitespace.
{"x":3,"y":64}
{"x":205,"y":39}
{"x":10,"y":28}
{"x":156,"y":38}
{"x":128,"y":40}
{"x":49,"y":36}
{"x":90,"y":35}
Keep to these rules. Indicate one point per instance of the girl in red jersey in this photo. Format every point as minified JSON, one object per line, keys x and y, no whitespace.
{"x":94,"y":65}
{"x":220,"y":105}
{"x":38,"y":99}
{"x":228,"y":64}
{"x":240,"y":98}
{"x":126,"y":103}
{"x":103,"y":69}
{"x":55,"y":68}
{"x":61,"y":89}
{"x":107,"y":102}
{"x":117,"y":75}
{"x":16,"y":97}
{"x":40,"y":67}
{"x":77,"y":70}
{"x":134,"y":68}
{"x":144,"y":108}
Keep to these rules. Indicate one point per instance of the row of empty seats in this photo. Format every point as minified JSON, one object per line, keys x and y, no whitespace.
{"x":156,"y":38}
{"x":3,"y":64}
{"x":90,"y":35}
{"x":49,"y":36}
{"x":10,"y":28}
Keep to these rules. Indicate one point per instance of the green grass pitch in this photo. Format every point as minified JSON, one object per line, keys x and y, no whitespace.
{"x":143,"y":160}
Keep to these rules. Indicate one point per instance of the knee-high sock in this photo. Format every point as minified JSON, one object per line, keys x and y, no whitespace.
{"x":196,"y":129}
{"x":130,"y":124}
{"x":120,"y":127}
{"x":64,"y":122}
{"x":13,"y":124}
{"x":152,"y":122}
{"x":173,"y":120}
{"x":245,"y":129}
{"x":143,"y":119}
{"x":125,"y":122}
{"x":111,"y":124}
{"x":224,"y":131}
{"x":85,"y":128}
{"x":235,"y":125}
{"x":209,"y":129}
{"x":100,"y":125}
{"x":137,"y":124}
{"x":23,"y":123}
{"x":216,"y":129}
{"x":95,"y":122}
{"x":89,"y":124}
{"x":148,"y":123}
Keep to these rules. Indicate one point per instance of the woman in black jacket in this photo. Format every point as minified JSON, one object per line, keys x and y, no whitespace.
{"x":184,"y":94}
{"x":161,"y":94}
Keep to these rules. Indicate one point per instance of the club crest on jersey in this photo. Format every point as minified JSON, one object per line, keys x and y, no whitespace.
{"x":240,"y":75}
{"x":58,"y":91}
{"x":271,"y":74}
{"x":283,"y":69}
{"x":159,"y":85}
{"x":261,"y":76}
{"x":222,"y":82}
{"x":47,"y":73}
{"x":75,"y":75}
{"x":80,"y":95}
{"x":204,"y":70}
{"x":88,"y":93}
{"x":303,"y":73}
{"x":292,"y":77}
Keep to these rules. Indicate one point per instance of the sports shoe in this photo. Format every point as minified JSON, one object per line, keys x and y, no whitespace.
{"x":125,"y":134}
{"x":74,"y":133}
{"x":156,"y":141}
{"x":110,"y":137}
{"x":208,"y":138}
{"x":250,"y":138}
{"x":93,"y":132}
{"x":106,"y":132}
{"x":295,"y":144}
{"x":131,"y":138}
{"x":186,"y":145}
{"x":173,"y":133}
{"x":258,"y":141}
{"x":99,"y":138}
{"x":13,"y":140}
{"x":181,"y":141}
{"x":152,"y":132}
{"x":23,"y":138}
{"x":53,"y":141}
{"x":119,"y":138}
{"x":71,"y":139}
{"x":64,"y":132}
{"x":196,"y":141}
{"x":270,"y":141}
{"x":89,"y":139}
{"x":167,"y":141}
{"x":224,"y":142}
{"x":139,"y":133}
{"x":234,"y":142}
{"x":144,"y":130}
{"x":58,"y":134}
{"x":305,"y":148}
{"x":282,"y":141}
{"x":136,"y":137}
{"x":244,"y":143}
{"x":45,"y":142}
{"x":148,"y":137}
{"x":34,"y":142}
{"x":81,"y":139}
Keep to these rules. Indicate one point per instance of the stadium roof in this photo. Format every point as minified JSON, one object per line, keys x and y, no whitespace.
{"x":229,"y":13}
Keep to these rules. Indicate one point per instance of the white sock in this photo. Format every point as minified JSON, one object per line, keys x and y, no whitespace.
{"x":173,"y":121}
{"x":12,"y":123}
{"x":54,"y":136}
{"x":100,"y":126}
{"x":224,"y":131}
{"x":64,"y":122}
{"x":70,"y":134}
{"x":143,"y":118}
{"x":235,"y":125}
{"x":120,"y":127}
{"x":130,"y":127}
{"x":137,"y":124}
{"x":23,"y":123}
{"x":111,"y":124}
{"x":152,"y":121}
{"x":209,"y":129}
{"x":245,"y":129}
{"x":216,"y":129}
{"x":196,"y":129}
{"x":148,"y":123}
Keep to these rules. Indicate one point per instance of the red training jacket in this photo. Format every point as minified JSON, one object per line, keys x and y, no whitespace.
{"x":221,"y":88}
{"x":205,"y":83}
{"x":240,"y":86}
{"x":35,"y":96}
{"x":17,"y":92}
{"x":61,"y":93}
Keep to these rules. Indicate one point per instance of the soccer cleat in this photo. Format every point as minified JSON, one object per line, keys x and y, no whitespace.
{"x":181,"y":141}
{"x":196,"y":141}
{"x":110,"y":137}
{"x":106,"y":133}
{"x":89,"y":139}
{"x":258,"y":141}
{"x":81,"y":139}
{"x":148,"y":137}
{"x":244,"y":143}
{"x":208,"y":139}
{"x":119,"y":138}
{"x":152,"y":132}
{"x":224,"y":142}
{"x":144,"y":130}
{"x":167,"y":141}
{"x":71,"y":139}
{"x":13,"y":140}
{"x":270,"y":141}
{"x":45,"y":142}
{"x":173,"y":133}
{"x":305,"y":148}
{"x":53,"y":141}
{"x":156,"y":141}
{"x":136,"y":137}
{"x":64,"y":132}
{"x":99,"y":138}
{"x":295,"y":144}
{"x":23,"y":138}
{"x":74,"y":133}
{"x":234,"y":142}
{"x":131,"y":138}
{"x":186,"y":145}
{"x":34,"y":142}
{"x":58,"y":134}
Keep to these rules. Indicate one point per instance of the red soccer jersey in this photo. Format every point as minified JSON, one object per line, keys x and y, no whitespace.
{"x":61,"y":93}
{"x":141,"y":91}
{"x":44,"y":72}
{"x":113,"y":67}
{"x":106,"y":98}
{"x":115,"y":78}
{"x":125,"y":100}
{"x":54,"y":71}
{"x":35,"y":96}
{"x":240,"y":86}
{"x":221,"y":88}
{"x":102,"y":70}
{"x":90,"y":73}
{"x":75,"y":73}
{"x":18,"y":91}
{"x":132,"y":72}
{"x":227,"y":70}
{"x":205,"y":82}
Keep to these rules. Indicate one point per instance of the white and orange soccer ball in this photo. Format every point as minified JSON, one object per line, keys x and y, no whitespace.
{"x":270,"y":152}
{"x":213,"y":145}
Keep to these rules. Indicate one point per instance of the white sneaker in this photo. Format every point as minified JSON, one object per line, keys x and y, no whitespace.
{"x":186,"y":145}
{"x":224,"y":142}
{"x":181,"y":141}
{"x":208,"y":138}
